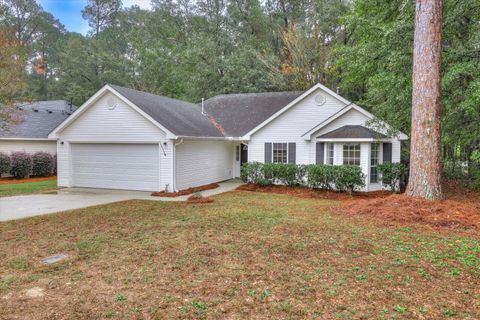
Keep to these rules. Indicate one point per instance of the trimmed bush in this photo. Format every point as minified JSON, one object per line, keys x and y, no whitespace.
{"x":321,"y":176}
{"x":349,"y":178}
{"x":21,"y":164}
{"x":391,"y":174}
{"x":5,"y":163}
{"x":42,"y":164}
{"x":251,"y":172}
{"x":55,"y":164}
{"x":342,"y":178}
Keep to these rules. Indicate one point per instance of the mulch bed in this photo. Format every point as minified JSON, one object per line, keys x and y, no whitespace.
{"x":315,"y":194}
{"x":12,"y":180}
{"x":460,"y":209}
{"x":403,"y":209}
{"x":185,"y":191}
{"x":199,"y":200}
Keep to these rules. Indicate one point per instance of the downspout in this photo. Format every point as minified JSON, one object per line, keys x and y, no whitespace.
{"x":174,"y":156}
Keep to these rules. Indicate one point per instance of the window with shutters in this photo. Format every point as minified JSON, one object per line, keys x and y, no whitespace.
{"x":279,"y":152}
{"x":330,"y":153}
{"x":351,"y":154}
{"x":374,"y":156}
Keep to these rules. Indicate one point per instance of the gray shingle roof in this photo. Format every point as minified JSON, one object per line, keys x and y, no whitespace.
{"x":239,"y":113}
{"x":179,"y":117}
{"x":355,"y":132}
{"x":37,"y":119}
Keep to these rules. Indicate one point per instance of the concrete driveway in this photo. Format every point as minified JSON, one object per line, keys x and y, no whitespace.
{"x":18,"y":207}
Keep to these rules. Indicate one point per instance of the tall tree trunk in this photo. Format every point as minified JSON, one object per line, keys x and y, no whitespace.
{"x":425,"y":150}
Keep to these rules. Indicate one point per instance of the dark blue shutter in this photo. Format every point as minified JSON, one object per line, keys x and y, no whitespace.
{"x":268,"y":152}
{"x":320,"y":150}
{"x":292,"y":152}
{"x":387,"y":152}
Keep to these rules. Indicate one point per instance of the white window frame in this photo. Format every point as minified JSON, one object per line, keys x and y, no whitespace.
{"x":286,"y":149}
{"x":352,"y":160}
{"x":371,"y":164}
{"x":327,"y":153}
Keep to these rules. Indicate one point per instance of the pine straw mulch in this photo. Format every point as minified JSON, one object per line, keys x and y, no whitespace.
{"x":198,"y":200}
{"x":12,"y":180}
{"x":185,"y":191}
{"x":460,"y":209}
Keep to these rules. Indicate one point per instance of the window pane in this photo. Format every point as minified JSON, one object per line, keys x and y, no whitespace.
{"x":374,"y":156}
{"x":280,"y":153}
{"x":351,"y":154}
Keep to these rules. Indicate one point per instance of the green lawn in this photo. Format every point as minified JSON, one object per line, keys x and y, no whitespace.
{"x":26,"y":188}
{"x":247,"y":255}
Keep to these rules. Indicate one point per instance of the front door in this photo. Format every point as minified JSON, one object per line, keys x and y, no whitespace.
{"x":244,"y":154}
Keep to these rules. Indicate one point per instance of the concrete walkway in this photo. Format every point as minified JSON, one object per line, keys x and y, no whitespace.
{"x":18,"y":207}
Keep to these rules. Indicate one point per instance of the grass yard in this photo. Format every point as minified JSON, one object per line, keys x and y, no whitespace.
{"x":26,"y":187}
{"x":247,"y":255}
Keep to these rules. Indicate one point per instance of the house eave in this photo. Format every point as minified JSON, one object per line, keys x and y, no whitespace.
{"x":27,"y":139}
{"x":354,"y":140}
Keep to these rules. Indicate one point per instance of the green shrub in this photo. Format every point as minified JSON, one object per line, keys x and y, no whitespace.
{"x":342,"y":178}
{"x":264,"y":182}
{"x":349,"y":178}
{"x":5,"y":163}
{"x":42,"y":164}
{"x":251,"y":172}
{"x":391,"y":174}
{"x":285,"y":173}
{"x":321,"y":176}
{"x":21,"y":164}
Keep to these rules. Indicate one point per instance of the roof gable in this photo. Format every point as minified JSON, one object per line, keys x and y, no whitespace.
{"x":237,"y":114}
{"x":179,"y":117}
{"x":352,"y":132}
{"x":299,"y":98}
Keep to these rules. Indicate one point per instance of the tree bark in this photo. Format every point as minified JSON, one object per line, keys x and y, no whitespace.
{"x":425,"y":150}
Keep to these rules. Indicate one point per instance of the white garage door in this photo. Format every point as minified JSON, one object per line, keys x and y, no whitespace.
{"x":116,"y":166}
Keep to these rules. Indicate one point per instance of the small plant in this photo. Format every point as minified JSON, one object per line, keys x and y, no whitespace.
{"x":361,"y":277}
{"x":42,"y":164}
{"x":391,"y":174}
{"x":449,"y":312}
{"x":19,"y":263}
{"x":400,"y":309}
{"x":5,"y":164}
{"x":266,"y":293}
{"x":21,"y":164}
{"x":200,"y":305}
{"x":120,"y":297}
{"x":455,"y":272}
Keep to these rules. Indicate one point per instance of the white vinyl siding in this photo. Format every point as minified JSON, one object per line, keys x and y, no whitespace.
{"x":116,"y":166}
{"x":102,"y":123}
{"x":122,"y":124}
{"x":199,"y":163}
{"x":290,"y":126}
{"x":29,"y":146}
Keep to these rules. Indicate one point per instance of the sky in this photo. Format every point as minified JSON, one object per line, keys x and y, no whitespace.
{"x":69,"y":12}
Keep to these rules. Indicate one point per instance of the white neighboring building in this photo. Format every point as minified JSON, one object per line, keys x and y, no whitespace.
{"x":34,"y":122}
{"x":126,"y":139}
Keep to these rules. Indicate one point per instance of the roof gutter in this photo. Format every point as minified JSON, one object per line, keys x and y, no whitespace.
{"x":29,"y":139}
{"x":210,"y":138}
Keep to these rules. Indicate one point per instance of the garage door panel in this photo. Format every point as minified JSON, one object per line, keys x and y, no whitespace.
{"x":116,"y":166}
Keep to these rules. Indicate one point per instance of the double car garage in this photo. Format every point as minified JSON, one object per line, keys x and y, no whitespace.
{"x":115,"y":166}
